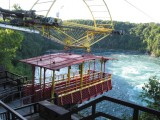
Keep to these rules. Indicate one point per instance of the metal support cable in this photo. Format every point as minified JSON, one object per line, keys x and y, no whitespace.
{"x":140,"y":10}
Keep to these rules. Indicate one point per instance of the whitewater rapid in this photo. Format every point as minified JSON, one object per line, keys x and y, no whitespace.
{"x":129,"y":72}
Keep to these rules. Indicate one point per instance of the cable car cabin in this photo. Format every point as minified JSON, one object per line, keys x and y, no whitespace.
{"x":81,"y":82}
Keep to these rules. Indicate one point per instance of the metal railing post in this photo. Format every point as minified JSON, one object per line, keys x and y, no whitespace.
{"x":135,"y":114}
{"x":93,"y":109}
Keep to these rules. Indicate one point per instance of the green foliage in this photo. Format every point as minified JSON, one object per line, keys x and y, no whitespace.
{"x":10,"y":41}
{"x":15,"y":46}
{"x":32,"y":45}
{"x":151,"y":92}
{"x":151,"y":95}
{"x":149,"y":34}
{"x":35,"y":45}
{"x":140,"y":37}
{"x":17,"y":7}
{"x":128,"y":41}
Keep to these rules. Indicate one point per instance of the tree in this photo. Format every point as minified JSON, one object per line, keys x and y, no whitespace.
{"x":10,"y":41}
{"x":17,"y":7}
{"x":151,"y":95}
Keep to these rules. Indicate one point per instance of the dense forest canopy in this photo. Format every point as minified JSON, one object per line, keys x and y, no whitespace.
{"x":141,"y":37}
{"x":10,"y":41}
{"x":149,"y":35}
{"x":32,"y":45}
{"x":15,"y":45}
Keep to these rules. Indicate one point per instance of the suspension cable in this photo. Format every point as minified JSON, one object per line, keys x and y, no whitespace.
{"x":140,"y":10}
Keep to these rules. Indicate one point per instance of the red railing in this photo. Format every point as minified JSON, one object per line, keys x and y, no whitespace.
{"x":73,"y":91}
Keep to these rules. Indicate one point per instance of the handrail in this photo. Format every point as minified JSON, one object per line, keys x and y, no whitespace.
{"x":66,"y":79}
{"x":94,"y":114}
{"x":12,"y":76}
{"x":9,"y":78}
{"x":72,"y":77}
{"x":90,"y":85}
{"x":11,"y":114}
{"x":15,"y":74}
{"x":93,"y":79}
{"x":89,"y":82}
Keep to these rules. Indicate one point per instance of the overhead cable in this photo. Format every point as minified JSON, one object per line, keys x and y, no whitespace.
{"x":140,"y":10}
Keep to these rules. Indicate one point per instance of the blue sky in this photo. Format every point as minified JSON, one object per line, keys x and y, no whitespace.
{"x":120,"y":10}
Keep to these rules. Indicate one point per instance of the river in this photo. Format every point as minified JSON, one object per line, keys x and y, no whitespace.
{"x":129,"y":73}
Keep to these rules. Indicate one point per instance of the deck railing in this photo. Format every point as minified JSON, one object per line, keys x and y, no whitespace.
{"x":11,"y":84}
{"x":95,"y":114}
{"x":65,"y":87}
{"x":33,"y":109}
{"x":8,"y":76}
{"x":93,"y":75}
{"x":9,"y":113}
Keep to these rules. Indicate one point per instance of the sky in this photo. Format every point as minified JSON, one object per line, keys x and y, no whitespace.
{"x":121,"y":10}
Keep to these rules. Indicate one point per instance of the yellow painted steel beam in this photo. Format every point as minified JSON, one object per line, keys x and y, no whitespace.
{"x":101,"y":73}
{"x":33,"y":80}
{"x":101,"y":61}
{"x":98,"y":40}
{"x":50,"y":7}
{"x":44,"y":2}
{"x":95,"y":25}
{"x":65,"y":33}
{"x":89,"y":34}
{"x":89,"y":85}
{"x":34,"y":4}
{"x":81,"y":74}
{"x":109,"y":14}
{"x":43,"y":30}
{"x":78,"y":26}
{"x":53,"y":85}
{"x":40,"y":80}
{"x":99,"y":27}
{"x":69,"y":74}
{"x":89,"y":66}
{"x":46,"y":34}
{"x":44,"y":79}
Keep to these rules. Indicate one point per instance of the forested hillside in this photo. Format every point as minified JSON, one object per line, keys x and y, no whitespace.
{"x":149,"y":35}
{"x":32,"y":45}
{"x":16,"y":45}
{"x":140,"y":37}
{"x":10,"y":42}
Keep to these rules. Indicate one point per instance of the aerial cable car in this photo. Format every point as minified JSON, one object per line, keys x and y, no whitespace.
{"x":67,"y":88}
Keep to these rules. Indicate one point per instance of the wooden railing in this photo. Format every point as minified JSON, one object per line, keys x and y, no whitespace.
{"x":65,"y":87}
{"x":33,"y":109}
{"x":9,"y":113}
{"x":8,"y":77}
{"x":94,"y":114}
{"x":11,"y":84}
